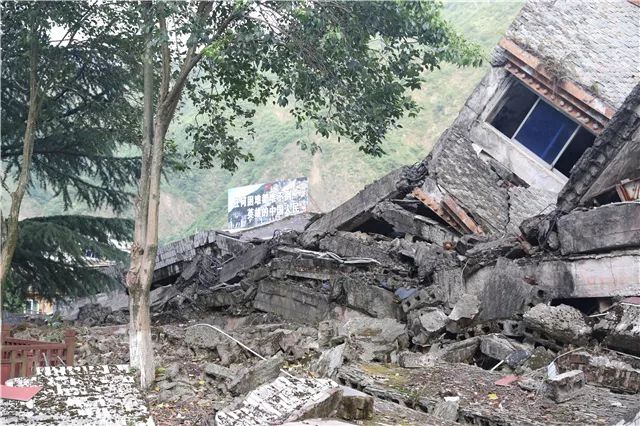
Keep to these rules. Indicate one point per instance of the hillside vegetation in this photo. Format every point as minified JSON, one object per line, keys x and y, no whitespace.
{"x":195,"y":200}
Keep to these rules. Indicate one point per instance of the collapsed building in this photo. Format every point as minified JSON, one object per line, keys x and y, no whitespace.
{"x":512,"y":249}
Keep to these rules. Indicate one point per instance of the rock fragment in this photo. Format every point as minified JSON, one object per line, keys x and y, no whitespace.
{"x":447,"y":410}
{"x":563,"y":323}
{"x":218,"y":371}
{"x":250,"y":378}
{"x":355,"y":405}
{"x":565,"y":386}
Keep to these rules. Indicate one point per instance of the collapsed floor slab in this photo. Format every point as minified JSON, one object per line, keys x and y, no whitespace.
{"x":606,"y":228}
{"x":286,"y":399}
{"x":356,"y":210}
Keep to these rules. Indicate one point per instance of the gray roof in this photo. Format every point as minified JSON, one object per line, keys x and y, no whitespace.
{"x":597,"y":43}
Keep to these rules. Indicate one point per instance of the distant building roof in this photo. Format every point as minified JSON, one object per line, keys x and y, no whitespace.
{"x":593,"y":43}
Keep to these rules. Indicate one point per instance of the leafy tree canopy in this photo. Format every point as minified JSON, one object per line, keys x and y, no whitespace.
{"x":347,"y":67}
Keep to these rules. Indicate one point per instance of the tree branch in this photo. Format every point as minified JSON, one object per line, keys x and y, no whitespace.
{"x":166,"y":61}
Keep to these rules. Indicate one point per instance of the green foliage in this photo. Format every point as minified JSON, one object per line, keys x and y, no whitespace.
{"x":346,"y":67}
{"x":50,"y":258}
{"x":88,"y":70}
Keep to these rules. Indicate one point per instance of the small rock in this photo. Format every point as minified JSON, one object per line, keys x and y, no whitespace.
{"x":229,"y":353}
{"x":218,"y":371}
{"x":565,"y":386}
{"x":172,"y":371}
{"x":447,"y":410}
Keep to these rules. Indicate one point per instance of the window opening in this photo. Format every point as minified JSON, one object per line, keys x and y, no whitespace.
{"x":526,"y":118}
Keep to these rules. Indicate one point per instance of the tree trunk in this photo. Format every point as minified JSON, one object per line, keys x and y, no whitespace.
{"x":145,"y":244}
{"x":140,"y":345}
{"x":11,"y":226}
{"x":140,"y":273}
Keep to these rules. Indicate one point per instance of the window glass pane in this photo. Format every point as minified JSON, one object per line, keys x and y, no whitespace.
{"x":546,"y":131}
{"x":519,"y":101}
{"x":578,"y":145}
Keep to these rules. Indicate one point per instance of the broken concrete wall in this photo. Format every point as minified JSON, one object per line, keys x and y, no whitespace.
{"x":405,"y":222}
{"x":292,"y":302}
{"x":591,"y":42}
{"x":456,"y":168}
{"x":504,"y":290}
{"x":473,"y":119}
{"x":244,"y":261}
{"x":172,"y":258}
{"x":601,"y":275}
{"x":357,"y":244}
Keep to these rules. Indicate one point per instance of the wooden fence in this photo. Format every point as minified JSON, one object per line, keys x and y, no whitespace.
{"x":20,"y":357}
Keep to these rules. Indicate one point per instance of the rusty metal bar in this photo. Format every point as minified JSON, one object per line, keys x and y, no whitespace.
{"x":458,"y":212}
{"x":435,"y":207}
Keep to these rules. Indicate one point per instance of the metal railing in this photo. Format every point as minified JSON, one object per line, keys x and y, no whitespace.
{"x":20,"y":357}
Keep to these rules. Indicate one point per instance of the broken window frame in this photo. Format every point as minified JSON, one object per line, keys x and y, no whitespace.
{"x":505,"y":98}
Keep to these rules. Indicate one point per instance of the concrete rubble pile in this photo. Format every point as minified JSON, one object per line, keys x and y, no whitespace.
{"x":453,"y":290}
{"x":393,"y":280}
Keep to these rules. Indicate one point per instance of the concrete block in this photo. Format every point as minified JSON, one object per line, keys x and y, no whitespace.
{"x":258,"y":374}
{"x":285,"y":399}
{"x":218,"y":371}
{"x":241,"y":263}
{"x":375,"y":301}
{"x":565,"y":386}
{"x":414,"y":360}
{"x":446,"y":410}
{"x":466,"y":308}
{"x":563,"y":323}
{"x":355,"y":405}
{"x":405,"y":222}
{"x":356,"y":244}
{"x":291,"y":302}
{"x":458,"y":352}
{"x":497,"y":347}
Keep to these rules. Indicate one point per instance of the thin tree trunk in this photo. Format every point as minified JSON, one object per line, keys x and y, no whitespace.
{"x":139,"y":276}
{"x":145,"y":245}
{"x":11,"y":226}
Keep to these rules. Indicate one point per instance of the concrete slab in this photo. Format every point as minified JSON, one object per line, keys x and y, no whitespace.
{"x":356,"y":210}
{"x":286,"y":399}
{"x":613,"y":226}
{"x":93,"y":395}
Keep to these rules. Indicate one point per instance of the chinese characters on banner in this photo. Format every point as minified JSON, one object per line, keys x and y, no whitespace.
{"x":258,"y":204}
